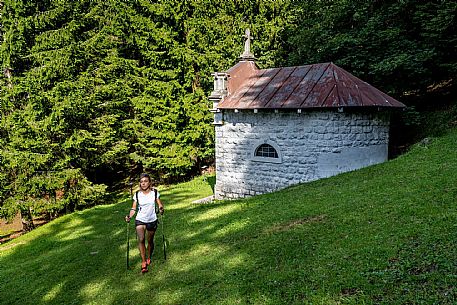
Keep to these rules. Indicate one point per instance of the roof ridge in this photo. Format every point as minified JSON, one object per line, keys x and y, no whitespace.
{"x":298,"y":83}
{"x":314,"y":85}
{"x":336,"y":85}
{"x":332,"y":87}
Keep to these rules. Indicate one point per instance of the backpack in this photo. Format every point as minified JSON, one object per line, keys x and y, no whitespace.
{"x":155,"y":198}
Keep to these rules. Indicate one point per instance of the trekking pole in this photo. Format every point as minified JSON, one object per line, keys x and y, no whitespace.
{"x":163,"y":239}
{"x":128,"y":228}
{"x":128,"y":244}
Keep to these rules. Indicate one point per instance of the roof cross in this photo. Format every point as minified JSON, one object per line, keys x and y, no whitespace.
{"x":247,"y":55}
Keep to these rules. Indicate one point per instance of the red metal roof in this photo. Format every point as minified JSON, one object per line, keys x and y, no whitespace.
{"x":313,"y":86}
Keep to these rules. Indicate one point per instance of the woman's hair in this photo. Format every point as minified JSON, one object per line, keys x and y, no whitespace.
{"x":144,"y":175}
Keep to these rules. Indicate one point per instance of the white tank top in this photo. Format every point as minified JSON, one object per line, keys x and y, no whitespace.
{"x":146,"y":206}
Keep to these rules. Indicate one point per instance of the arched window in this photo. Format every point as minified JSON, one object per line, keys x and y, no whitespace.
{"x":266,"y":151}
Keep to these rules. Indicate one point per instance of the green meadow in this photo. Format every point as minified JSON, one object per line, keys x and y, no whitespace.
{"x":386,"y":234}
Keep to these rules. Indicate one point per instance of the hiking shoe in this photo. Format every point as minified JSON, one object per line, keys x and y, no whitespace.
{"x":144,"y":268}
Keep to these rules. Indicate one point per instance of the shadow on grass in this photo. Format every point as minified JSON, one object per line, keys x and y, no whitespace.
{"x":80,"y":258}
{"x":339,"y":240}
{"x":68,"y":261}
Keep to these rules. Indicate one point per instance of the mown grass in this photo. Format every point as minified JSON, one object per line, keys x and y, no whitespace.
{"x":381,"y":235}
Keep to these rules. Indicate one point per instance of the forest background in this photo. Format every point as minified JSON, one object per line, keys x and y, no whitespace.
{"x":95,"y":92}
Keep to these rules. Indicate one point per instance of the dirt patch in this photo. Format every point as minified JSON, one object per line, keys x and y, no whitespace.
{"x":10,"y":230}
{"x":292,"y":224}
{"x":347,"y":292}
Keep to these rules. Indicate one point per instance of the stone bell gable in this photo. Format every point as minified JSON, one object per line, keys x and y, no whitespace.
{"x":282,"y":126}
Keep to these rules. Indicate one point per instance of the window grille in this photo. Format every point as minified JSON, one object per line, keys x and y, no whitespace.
{"x":266,"y":151}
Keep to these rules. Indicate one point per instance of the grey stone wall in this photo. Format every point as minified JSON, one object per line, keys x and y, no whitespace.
{"x":310,"y":145}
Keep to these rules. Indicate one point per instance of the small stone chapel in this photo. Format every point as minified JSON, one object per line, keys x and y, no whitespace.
{"x":283,"y":126}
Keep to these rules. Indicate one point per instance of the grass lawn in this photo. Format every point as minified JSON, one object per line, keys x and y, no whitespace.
{"x":386,"y":234}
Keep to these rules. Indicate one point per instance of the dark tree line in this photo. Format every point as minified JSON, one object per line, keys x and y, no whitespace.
{"x":94,"y":92}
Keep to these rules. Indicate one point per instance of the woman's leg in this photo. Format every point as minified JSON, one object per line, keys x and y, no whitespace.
{"x":150,"y":235}
{"x":140,"y":231}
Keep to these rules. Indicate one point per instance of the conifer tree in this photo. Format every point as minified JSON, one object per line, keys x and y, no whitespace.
{"x":94,"y":91}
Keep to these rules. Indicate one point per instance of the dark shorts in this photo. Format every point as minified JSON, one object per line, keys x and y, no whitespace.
{"x":150,"y":226}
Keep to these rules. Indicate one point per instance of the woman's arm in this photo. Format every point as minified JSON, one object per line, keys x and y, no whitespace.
{"x":132,"y":211}
{"x":160,"y":204}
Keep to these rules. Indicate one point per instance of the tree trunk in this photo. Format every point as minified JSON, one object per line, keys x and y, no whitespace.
{"x":27,"y":220}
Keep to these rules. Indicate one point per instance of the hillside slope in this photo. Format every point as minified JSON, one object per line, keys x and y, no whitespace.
{"x":381,"y":235}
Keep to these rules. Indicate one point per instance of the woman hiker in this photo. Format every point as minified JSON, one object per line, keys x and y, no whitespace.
{"x":146,"y":218}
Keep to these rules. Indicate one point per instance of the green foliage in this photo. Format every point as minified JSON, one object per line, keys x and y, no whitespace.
{"x":109,"y":88}
{"x":403,"y":47}
{"x":106,"y":87}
